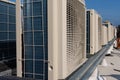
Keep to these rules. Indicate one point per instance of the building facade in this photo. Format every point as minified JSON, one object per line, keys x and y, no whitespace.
{"x":53,"y":39}
{"x":7,"y":31}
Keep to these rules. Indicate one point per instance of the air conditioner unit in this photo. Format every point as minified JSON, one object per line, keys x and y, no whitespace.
{"x":93,"y":31}
{"x":104,"y":29}
{"x":109,"y":30}
{"x":54,"y":39}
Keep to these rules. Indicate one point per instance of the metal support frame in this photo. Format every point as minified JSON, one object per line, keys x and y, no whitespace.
{"x":85,"y":71}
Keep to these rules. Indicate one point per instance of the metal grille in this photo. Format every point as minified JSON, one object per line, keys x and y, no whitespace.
{"x":35,"y":39}
{"x":7,"y":31}
{"x":88,"y":34}
{"x":75,"y":33}
{"x":99,"y":32}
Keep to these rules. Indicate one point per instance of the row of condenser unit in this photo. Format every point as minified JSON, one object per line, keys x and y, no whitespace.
{"x":98,"y":33}
{"x":70,"y":32}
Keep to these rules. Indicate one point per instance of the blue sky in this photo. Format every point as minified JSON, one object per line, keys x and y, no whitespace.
{"x":12,"y":0}
{"x":108,"y":9}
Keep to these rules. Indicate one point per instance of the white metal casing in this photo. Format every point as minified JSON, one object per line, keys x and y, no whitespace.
{"x":63,"y":63}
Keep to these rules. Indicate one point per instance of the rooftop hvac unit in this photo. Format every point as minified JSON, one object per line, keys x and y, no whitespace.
{"x":104,"y":31}
{"x":66,"y":36}
{"x":93,"y":25}
{"x":63,"y":21}
{"x":109,"y":30}
{"x":90,"y":33}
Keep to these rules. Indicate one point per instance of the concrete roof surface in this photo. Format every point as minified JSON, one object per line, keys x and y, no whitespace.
{"x":112,"y":70}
